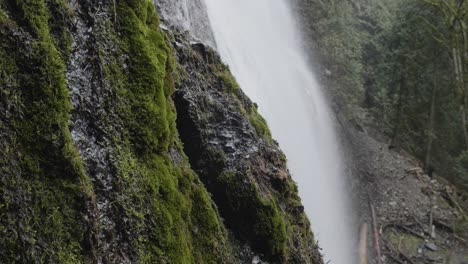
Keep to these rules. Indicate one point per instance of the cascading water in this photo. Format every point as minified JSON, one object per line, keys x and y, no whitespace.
{"x":259,"y":41}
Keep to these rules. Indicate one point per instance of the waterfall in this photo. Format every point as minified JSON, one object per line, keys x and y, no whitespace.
{"x":261,"y":44}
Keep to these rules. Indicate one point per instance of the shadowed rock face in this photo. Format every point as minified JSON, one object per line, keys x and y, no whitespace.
{"x":241,"y":166}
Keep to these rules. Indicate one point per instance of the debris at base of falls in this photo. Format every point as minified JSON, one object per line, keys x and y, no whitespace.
{"x":421,"y":219}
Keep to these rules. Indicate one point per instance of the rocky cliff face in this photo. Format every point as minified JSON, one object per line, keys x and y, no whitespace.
{"x":95,"y":166}
{"x":229,"y":145}
{"x":188,"y":15}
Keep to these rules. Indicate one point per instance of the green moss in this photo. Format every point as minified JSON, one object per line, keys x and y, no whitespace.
{"x":61,"y":16}
{"x":257,"y":219}
{"x":148,"y":193}
{"x":260,"y":124}
{"x":163,"y":203}
{"x":44,"y":187}
{"x":148,"y":114}
{"x":45,"y":96}
{"x":230,"y":83}
{"x":249,"y":110}
{"x":183,"y":226}
{"x":3,"y":16}
{"x":407,"y":243}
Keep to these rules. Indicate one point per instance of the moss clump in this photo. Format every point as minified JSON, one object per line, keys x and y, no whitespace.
{"x":170,"y":214}
{"x":59,"y":21}
{"x":44,"y":181}
{"x":257,"y":219}
{"x":230,"y":83}
{"x":260,"y":124}
{"x":407,"y":243}
{"x":164,"y":204}
{"x":149,"y":116}
{"x":44,"y":128}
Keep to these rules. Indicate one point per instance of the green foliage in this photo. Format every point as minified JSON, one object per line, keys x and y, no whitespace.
{"x":385,"y":60}
{"x":413,"y":66}
{"x":461,"y":167}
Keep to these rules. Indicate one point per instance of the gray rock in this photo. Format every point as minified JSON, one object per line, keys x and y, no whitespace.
{"x":431,"y":246}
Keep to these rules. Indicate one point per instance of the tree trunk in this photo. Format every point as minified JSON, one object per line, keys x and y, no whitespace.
{"x":363,"y":244}
{"x":461,"y":93}
{"x":430,"y":138}
{"x":464,"y":71}
{"x":399,"y":114}
{"x":464,"y":123}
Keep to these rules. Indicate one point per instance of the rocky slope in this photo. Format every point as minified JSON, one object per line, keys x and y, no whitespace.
{"x":92,"y":166}
{"x":420,"y":218}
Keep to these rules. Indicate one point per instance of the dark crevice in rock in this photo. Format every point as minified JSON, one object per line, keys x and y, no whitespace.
{"x":188,"y":130}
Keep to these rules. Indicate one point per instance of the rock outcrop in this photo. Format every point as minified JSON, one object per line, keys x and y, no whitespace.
{"x":229,"y":145}
{"x":93,"y":169}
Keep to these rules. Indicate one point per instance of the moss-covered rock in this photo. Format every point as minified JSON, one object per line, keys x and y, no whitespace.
{"x":44,"y":188}
{"x":92,"y":167}
{"x":230,"y":146}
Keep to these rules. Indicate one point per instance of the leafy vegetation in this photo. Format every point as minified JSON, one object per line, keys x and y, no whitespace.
{"x":399,"y":67}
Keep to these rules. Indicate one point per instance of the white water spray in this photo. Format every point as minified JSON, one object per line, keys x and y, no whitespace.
{"x":258,"y":39}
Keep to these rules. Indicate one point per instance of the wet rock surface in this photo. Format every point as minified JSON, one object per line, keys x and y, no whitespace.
{"x":92,"y":165}
{"x":79,"y":181}
{"x":187,"y":15}
{"x":94,"y":122}
{"x":241,"y":166}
